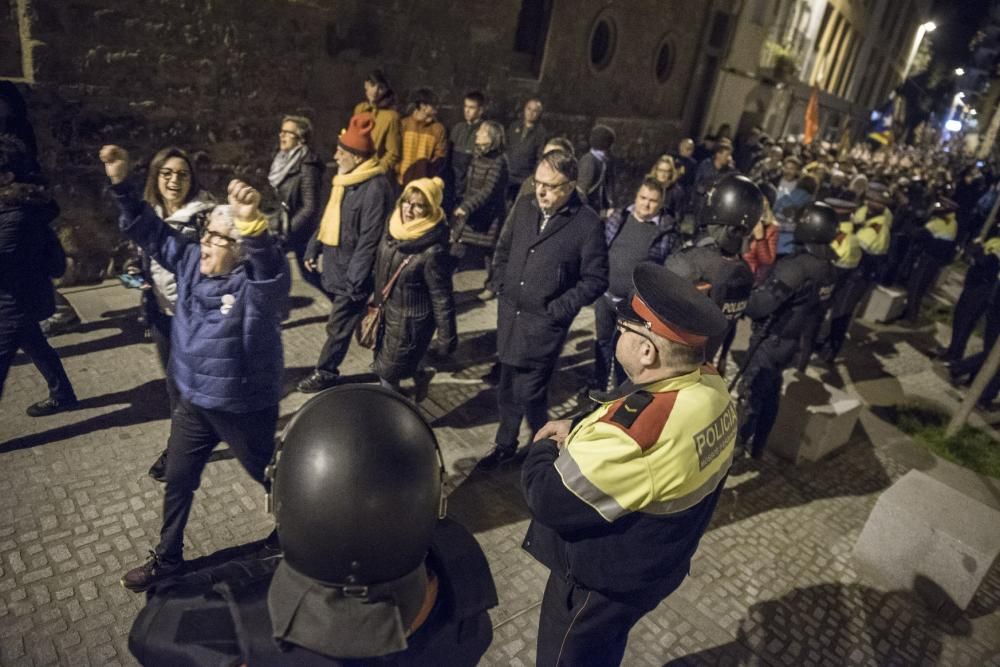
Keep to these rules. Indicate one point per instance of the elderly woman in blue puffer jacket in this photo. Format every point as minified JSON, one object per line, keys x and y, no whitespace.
{"x":226,"y":356}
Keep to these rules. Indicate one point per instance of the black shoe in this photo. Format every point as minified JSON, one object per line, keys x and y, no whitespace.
{"x":498,"y":457}
{"x":492,"y":376}
{"x":158,"y":471}
{"x":422,"y":384}
{"x":51,"y":406}
{"x":317,"y":381}
{"x":139,"y":579}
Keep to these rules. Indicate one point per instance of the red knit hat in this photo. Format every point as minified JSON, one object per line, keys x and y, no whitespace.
{"x":357,"y":138}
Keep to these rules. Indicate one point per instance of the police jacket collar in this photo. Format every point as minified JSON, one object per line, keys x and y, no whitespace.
{"x":673,"y":383}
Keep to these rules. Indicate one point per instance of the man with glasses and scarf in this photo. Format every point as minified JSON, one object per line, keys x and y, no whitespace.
{"x":551,"y":261}
{"x":226,"y":355}
{"x":620,"y":497}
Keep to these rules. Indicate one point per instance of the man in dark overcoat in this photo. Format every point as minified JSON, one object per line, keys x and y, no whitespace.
{"x":550,"y":262}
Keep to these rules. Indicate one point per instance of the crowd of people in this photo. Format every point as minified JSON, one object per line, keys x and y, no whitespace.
{"x":790,"y":235}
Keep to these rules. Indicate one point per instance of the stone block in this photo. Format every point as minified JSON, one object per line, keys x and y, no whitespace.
{"x":923,"y":530}
{"x":814,"y":419}
{"x":885,"y":304}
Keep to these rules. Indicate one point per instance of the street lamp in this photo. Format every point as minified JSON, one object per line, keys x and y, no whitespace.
{"x":959,"y":71}
{"x":922,"y":30}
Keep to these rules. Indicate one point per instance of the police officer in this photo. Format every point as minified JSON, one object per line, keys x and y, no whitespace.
{"x":792,"y":300}
{"x":619,"y":498}
{"x":732,"y":207}
{"x":849,"y":286}
{"x":981,"y":280}
{"x":873,"y":225}
{"x":370,"y":571}
{"x":936,"y":243}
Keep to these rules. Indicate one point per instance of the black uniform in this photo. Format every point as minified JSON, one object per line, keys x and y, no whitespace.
{"x":729,"y":281}
{"x":980,"y":283}
{"x":792,"y":300}
{"x":220,"y":615}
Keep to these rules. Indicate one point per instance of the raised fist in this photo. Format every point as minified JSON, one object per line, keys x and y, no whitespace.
{"x":244,"y":199}
{"x":115,"y":159}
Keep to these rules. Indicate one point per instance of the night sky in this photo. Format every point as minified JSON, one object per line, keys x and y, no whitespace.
{"x":957,"y":22}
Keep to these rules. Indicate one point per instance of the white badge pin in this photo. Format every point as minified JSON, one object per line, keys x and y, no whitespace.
{"x":227,"y":303}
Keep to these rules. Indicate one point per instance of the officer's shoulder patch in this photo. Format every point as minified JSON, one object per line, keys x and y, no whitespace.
{"x":641,"y":415}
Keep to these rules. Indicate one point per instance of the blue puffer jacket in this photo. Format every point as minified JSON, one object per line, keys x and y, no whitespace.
{"x":226,"y":351}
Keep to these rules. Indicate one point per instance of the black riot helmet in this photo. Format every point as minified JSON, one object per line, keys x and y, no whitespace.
{"x":816,"y":227}
{"x":817,"y":223}
{"x":732,"y":207}
{"x":357,"y":487}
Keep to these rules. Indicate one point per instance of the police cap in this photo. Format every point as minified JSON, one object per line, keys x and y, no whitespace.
{"x":841,"y":206}
{"x":878,"y":193}
{"x":671,"y":306}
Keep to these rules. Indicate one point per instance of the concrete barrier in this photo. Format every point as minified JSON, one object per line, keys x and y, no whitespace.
{"x":922,"y":528}
{"x":885,"y":304}
{"x":814,"y":419}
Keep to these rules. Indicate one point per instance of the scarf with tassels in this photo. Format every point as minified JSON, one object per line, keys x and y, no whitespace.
{"x":329,"y":226}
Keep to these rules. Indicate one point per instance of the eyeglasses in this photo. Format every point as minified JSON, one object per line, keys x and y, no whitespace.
{"x":167,"y":174}
{"x":210,"y":238}
{"x":550,"y":187}
{"x":288,"y":133}
{"x":620,"y":325}
{"x":416,"y":206}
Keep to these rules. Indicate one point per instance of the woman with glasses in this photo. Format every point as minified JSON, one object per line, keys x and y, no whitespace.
{"x":674,"y":198}
{"x":173,"y":192}
{"x":226,"y":360}
{"x":420,"y":299}
{"x":295,"y":174}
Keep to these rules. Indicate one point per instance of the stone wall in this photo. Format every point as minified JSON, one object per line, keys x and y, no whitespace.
{"x":215,"y":76}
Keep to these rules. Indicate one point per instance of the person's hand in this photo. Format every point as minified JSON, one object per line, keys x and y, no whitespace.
{"x":244,"y":199}
{"x":311,"y":265}
{"x":758,"y":231}
{"x":115,"y":159}
{"x":556,"y":430}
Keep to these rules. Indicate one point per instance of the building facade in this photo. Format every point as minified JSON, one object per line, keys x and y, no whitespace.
{"x":853,"y":52}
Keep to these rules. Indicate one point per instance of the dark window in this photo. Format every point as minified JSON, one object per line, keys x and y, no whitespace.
{"x":530,"y":36}
{"x":10,"y":43}
{"x":720,"y":31}
{"x":664,"y":64}
{"x":603,"y":40}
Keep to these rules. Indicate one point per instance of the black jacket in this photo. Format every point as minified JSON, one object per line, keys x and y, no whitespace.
{"x":420,"y":300}
{"x":484,"y":200}
{"x":347,"y":268}
{"x":30,"y":254}
{"x":299,"y":198}
{"x":545,"y":279}
{"x":596,"y":181}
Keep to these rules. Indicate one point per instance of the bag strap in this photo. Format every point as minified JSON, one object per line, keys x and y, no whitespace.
{"x":387,"y":290}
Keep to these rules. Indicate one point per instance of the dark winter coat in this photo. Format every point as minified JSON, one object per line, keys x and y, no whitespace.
{"x":420,"y":301}
{"x":484,"y":201}
{"x":347,"y":268}
{"x":30,"y":254}
{"x":225,"y":337}
{"x":298,"y":196}
{"x":545,"y":279}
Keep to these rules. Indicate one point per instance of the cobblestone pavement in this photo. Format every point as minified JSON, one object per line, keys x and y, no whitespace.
{"x":773,"y":582}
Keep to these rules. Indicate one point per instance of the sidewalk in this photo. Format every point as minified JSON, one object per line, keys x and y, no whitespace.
{"x":773,"y":582}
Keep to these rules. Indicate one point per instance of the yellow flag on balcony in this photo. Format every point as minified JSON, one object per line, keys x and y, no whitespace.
{"x":812,"y":117}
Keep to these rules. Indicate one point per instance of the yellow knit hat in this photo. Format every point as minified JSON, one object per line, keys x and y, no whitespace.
{"x":433,"y":191}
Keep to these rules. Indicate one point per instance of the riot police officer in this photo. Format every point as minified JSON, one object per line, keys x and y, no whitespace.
{"x":849,"y":286}
{"x":371,"y":569}
{"x":732,"y":207}
{"x":792,"y":300}
{"x":935,"y":244}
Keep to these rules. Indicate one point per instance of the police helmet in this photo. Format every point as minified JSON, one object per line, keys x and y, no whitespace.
{"x":734,"y":201}
{"x":817,"y":223}
{"x":357,"y":488}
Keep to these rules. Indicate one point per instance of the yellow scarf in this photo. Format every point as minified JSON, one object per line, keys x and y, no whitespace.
{"x":412,"y":230}
{"x":329,"y":226}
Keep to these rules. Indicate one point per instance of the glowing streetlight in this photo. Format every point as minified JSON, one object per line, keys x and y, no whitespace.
{"x":959,"y":71}
{"x":922,"y":29}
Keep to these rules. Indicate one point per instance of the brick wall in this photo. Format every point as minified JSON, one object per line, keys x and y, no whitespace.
{"x":215,"y":76}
